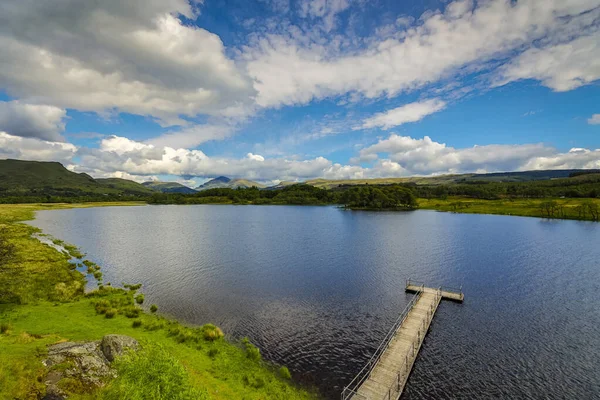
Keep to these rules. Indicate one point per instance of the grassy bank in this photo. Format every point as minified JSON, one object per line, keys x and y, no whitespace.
{"x":43,"y":303}
{"x":561,"y":208}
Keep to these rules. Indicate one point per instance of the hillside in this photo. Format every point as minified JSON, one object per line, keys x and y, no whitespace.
{"x":223,"y":182}
{"x":168,"y":187}
{"x":521,"y":176}
{"x":51,"y":179}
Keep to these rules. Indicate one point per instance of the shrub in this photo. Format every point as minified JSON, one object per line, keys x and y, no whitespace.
{"x":101,"y":306}
{"x":211,"y":332}
{"x":139,"y":298}
{"x":137,"y":323}
{"x":284,"y":372}
{"x":133,"y":288}
{"x":212,"y":353}
{"x":153,"y":308}
{"x":132,"y":312}
{"x":151,"y":373}
{"x":154,"y":325}
{"x":252,"y":352}
{"x":5,"y":327}
{"x":111,"y":312}
{"x":181,"y":334}
{"x":98,"y":275}
{"x":254,"y":381}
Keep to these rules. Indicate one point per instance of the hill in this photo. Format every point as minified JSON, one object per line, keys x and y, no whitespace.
{"x":168,"y":187}
{"x":521,"y":176}
{"x":223,"y":182}
{"x":42,"y":181}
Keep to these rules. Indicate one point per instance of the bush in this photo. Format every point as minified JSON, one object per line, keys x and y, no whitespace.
{"x":151,"y":374}
{"x":252,"y":352}
{"x":111,"y":312}
{"x":98,"y":275}
{"x":133,"y":288}
{"x":153,"y":308}
{"x":139,"y":298}
{"x":212,"y":353}
{"x":181,"y":334}
{"x":284,"y":372}
{"x":132,"y":312}
{"x":211,"y":332}
{"x":154,"y":325}
{"x":137,"y":323}
{"x":5,"y":327}
{"x":254,"y":381}
{"x":101,"y":306}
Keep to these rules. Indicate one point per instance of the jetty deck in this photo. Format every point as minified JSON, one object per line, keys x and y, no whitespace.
{"x":386,"y":373}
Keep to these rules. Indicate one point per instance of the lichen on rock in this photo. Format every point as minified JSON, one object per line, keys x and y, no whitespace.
{"x":83,"y":366}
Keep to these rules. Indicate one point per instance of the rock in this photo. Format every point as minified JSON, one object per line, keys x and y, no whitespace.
{"x":116,"y":345}
{"x":86,"y":362}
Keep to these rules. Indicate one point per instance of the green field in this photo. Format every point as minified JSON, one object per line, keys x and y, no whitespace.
{"x":43,"y":303}
{"x":520,"y":207}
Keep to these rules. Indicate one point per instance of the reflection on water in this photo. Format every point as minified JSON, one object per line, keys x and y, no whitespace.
{"x":316,"y":288}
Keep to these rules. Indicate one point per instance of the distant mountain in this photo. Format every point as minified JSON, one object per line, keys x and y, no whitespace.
{"x":521,"y":176}
{"x":37,"y":178}
{"x":168,"y":187}
{"x":225,"y":182}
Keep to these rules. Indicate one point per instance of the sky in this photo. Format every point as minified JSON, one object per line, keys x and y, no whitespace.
{"x":274,"y":90}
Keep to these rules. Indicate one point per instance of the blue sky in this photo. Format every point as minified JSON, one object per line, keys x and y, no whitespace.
{"x":292,"y":90}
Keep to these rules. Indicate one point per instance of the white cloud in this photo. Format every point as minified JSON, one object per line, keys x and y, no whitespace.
{"x":575,"y":158}
{"x":594,"y":119}
{"x":193,"y":136}
{"x":134,"y":56}
{"x":324,"y":9}
{"x":412,"y":112}
{"x":30,"y":120}
{"x":393,"y":157}
{"x":294,"y":69}
{"x":425,"y":156}
{"x":560,"y":67}
{"x":24,"y":148}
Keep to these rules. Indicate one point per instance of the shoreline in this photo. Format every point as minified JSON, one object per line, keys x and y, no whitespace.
{"x":56,"y":308}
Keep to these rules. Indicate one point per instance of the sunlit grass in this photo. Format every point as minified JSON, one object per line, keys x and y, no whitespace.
{"x":518,"y":207}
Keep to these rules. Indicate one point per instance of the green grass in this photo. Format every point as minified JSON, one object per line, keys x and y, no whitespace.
{"x":48,"y":306}
{"x":518,"y":207}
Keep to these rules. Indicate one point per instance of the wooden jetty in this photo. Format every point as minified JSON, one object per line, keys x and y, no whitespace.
{"x":386,"y":373}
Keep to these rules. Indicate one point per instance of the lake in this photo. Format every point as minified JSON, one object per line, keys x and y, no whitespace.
{"x":317,"y":288}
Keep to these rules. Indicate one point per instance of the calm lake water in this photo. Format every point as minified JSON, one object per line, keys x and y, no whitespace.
{"x":317,"y":288}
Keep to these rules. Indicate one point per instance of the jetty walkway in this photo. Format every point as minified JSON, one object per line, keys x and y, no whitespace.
{"x":385,"y":374}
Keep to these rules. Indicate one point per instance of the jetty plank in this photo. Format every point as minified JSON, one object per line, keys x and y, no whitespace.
{"x":386,"y":374}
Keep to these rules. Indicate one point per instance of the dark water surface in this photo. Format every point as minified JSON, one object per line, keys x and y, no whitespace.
{"x":316,"y":288}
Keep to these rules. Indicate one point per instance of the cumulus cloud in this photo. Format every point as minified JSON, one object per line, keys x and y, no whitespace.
{"x":25,"y":148}
{"x":294,"y":69}
{"x":135,"y":56}
{"x":426,"y":156}
{"x":393,"y":157}
{"x":412,"y":112}
{"x":30,"y":120}
{"x":594,"y":119}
